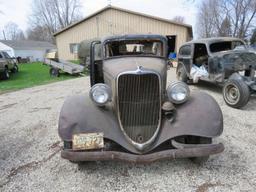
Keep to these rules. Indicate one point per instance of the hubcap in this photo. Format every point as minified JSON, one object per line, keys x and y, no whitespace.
{"x":232,"y":94}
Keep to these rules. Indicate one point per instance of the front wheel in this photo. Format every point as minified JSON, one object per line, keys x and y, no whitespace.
{"x":5,"y":74}
{"x":15,"y":69}
{"x":236,"y":93}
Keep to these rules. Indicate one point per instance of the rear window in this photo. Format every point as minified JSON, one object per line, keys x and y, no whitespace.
{"x":185,"y":50}
{"x":134,"y":47}
{"x":225,"y":46}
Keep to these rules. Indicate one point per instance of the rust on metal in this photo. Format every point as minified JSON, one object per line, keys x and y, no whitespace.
{"x":146,"y":158}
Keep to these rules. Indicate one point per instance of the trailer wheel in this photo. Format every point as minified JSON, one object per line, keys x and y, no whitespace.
{"x":236,"y":93}
{"x":198,"y":140}
{"x":54,"y":72}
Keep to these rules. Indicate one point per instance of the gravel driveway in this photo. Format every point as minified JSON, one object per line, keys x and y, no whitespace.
{"x":30,"y":150}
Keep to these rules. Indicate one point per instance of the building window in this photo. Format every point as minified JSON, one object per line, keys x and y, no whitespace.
{"x":73,"y":48}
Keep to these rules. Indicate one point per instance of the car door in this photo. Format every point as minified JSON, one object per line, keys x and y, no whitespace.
{"x":8,"y":60}
{"x":2,"y":62}
{"x":185,"y":56}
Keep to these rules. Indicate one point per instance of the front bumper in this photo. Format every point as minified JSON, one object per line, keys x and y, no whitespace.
{"x":206,"y":150}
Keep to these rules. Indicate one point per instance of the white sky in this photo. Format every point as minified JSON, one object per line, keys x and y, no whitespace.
{"x":18,"y":10}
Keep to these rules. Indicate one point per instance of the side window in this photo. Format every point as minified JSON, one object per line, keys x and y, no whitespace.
{"x":200,"y":54}
{"x":1,"y":56}
{"x":6,"y":55}
{"x":185,"y":50}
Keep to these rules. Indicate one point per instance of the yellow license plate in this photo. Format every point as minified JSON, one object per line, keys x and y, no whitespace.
{"x":86,"y":141}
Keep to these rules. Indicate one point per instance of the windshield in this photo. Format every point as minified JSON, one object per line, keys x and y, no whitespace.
{"x":6,"y":55}
{"x":224,"y":46}
{"x":134,"y":47}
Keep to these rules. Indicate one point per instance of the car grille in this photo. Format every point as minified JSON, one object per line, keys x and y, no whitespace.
{"x":139,"y":103}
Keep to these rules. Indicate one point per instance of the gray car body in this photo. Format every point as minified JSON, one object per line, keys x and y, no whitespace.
{"x":6,"y":62}
{"x":223,"y":65}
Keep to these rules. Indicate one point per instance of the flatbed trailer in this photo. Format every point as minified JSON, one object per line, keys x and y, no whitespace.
{"x":62,"y":65}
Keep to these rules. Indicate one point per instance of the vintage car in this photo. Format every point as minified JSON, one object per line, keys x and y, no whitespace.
{"x":232,"y":67}
{"x":7,"y":64}
{"x":129,"y":115}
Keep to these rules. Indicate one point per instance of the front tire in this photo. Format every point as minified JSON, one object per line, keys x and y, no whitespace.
{"x":15,"y":69}
{"x":236,"y":93}
{"x":5,"y":74}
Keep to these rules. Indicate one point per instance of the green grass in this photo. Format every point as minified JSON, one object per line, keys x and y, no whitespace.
{"x":75,"y":61}
{"x":29,"y":75}
{"x":86,"y":71}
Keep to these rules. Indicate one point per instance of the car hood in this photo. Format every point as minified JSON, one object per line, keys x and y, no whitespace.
{"x":113,"y":67}
{"x":237,"y":59}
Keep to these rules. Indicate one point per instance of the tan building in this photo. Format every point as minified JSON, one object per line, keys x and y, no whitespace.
{"x":116,"y":21}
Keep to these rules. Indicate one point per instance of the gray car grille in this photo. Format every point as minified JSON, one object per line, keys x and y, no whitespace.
{"x":139,"y":105}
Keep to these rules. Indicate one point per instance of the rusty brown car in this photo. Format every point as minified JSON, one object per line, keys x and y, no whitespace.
{"x":130,"y":115}
{"x":226,"y":65}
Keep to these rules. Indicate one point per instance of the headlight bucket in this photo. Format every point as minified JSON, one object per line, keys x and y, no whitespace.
{"x":178,"y":92}
{"x":100,"y":94}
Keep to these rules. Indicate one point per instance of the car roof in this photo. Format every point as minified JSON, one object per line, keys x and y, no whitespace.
{"x":213,"y":40}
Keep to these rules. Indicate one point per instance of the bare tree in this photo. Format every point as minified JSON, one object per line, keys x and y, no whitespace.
{"x":54,"y":14}
{"x":206,"y":23}
{"x":67,"y":11}
{"x":253,"y":38}
{"x":13,"y":32}
{"x":241,"y":14}
{"x":226,"y":17}
{"x":225,"y":29}
{"x":39,"y":33}
{"x":179,"y":19}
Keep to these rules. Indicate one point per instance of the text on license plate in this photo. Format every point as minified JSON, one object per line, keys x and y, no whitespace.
{"x":85,"y":141}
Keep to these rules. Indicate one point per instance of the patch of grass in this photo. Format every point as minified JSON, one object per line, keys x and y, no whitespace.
{"x":86,"y":71}
{"x":29,"y":75}
{"x":75,"y":61}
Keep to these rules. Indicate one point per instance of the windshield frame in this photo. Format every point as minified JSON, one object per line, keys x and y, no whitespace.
{"x":160,"y":39}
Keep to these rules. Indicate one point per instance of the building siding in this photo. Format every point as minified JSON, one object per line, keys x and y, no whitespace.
{"x":116,"y":22}
{"x":33,"y":55}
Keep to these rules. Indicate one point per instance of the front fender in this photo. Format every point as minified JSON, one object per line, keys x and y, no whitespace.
{"x":200,"y":116}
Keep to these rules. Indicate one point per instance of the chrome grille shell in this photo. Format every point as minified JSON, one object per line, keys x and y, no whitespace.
{"x":139,"y":114}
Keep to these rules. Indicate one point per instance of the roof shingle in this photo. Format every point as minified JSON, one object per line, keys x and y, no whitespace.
{"x":28,"y":44}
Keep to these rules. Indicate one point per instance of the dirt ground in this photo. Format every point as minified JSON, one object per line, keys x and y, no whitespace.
{"x":30,"y":150}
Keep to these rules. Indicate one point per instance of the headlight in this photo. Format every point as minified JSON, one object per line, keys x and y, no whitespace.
{"x":100,"y":94}
{"x":178,"y":92}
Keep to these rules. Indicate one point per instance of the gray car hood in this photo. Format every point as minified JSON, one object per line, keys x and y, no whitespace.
{"x":237,"y":59}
